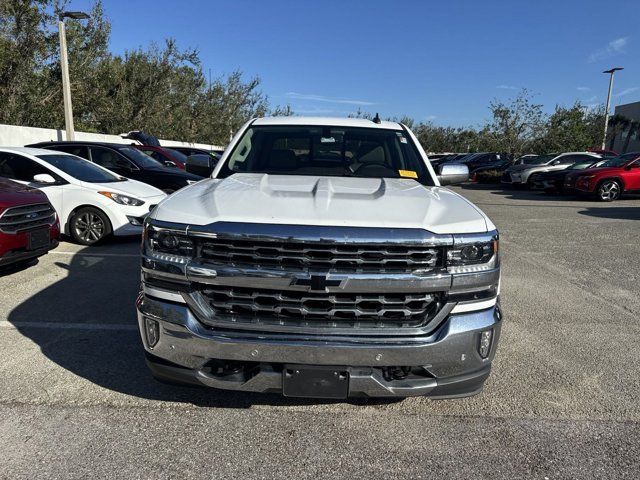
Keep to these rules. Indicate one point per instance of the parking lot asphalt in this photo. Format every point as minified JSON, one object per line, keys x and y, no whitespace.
{"x":77,"y":401}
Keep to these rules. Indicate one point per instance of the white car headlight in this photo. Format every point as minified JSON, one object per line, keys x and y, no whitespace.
{"x":123,"y":199}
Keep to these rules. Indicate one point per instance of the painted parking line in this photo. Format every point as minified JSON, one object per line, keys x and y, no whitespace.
{"x":69,"y":326}
{"x":98,"y":254}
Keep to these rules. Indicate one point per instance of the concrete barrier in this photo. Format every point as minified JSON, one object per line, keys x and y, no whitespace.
{"x":18,"y":136}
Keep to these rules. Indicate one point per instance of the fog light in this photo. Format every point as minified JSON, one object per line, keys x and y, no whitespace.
{"x":152,"y":329}
{"x":136,"y":221}
{"x":485,"y":343}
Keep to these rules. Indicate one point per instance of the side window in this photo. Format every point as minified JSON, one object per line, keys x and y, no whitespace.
{"x":109,"y":159}
{"x":153,"y":154}
{"x":569,"y":159}
{"x":77,"y":150}
{"x":16,"y":167}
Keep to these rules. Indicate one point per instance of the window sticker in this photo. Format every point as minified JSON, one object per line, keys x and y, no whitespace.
{"x":408,"y":174}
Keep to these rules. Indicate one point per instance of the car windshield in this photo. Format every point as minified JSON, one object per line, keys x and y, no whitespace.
{"x":538,"y":159}
{"x":81,"y":169}
{"x":327,"y":151}
{"x":620,"y":160}
{"x":181,"y":157}
{"x":140,"y":159}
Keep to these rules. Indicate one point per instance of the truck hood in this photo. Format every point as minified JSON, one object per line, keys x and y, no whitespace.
{"x":330,"y":201}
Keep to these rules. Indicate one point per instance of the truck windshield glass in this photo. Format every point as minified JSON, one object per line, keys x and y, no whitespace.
{"x":83,"y":170}
{"x":327,"y":151}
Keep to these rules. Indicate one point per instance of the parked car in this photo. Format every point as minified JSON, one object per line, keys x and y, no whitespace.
{"x":436,"y":162}
{"x":498,"y":167}
{"x":91,"y":201}
{"x":552,"y":182}
{"x":609,"y":180}
{"x":126,"y":161}
{"x":477,"y":160}
{"x":29,"y":225}
{"x":322,"y":242}
{"x":165,"y":156}
{"x":518,"y":175}
{"x":188,"y":151}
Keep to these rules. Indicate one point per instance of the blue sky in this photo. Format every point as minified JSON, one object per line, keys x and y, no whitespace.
{"x":439,"y":61}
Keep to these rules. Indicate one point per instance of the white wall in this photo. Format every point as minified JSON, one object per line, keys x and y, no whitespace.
{"x":17,"y":136}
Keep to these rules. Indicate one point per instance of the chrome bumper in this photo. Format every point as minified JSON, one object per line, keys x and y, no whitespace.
{"x":449,"y":354}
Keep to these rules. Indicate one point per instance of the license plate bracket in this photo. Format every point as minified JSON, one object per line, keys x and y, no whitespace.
{"x":38,"y":239}
{"x":311,"y":381}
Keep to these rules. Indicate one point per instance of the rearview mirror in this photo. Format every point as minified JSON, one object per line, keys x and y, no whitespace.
{"x":44,"y":178}
{"x":450,"y":173}
{"x":200,"y":164}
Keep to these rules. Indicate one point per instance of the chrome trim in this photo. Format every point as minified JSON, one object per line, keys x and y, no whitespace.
{"x":315,"y":234}
{"x":185,"y":341}
{"x":29,"y":217}
{"x":200,"y":307}
{"x":471,"y":238}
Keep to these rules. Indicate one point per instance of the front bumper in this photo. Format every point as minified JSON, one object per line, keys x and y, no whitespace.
{"x":448,"y":356}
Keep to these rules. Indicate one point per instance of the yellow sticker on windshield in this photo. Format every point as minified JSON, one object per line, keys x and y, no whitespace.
{"x":408,"y":173}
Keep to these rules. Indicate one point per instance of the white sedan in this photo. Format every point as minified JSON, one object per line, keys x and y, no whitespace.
{"x":92,"y":202}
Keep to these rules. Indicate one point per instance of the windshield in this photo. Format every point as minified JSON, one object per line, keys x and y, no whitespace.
{"x":620,"y":160}
{"x":81,"y":169}
{"x":140,"y":159}
{"x":175,"y":154}
{"x":327,"y":151}
{"x":538,"y":159}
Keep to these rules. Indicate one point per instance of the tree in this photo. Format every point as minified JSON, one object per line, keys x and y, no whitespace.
{"x":574,"y":128}
{"x":515,"y":124}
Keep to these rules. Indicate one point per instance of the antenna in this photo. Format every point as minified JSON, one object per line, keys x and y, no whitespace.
{"x":376,"y":119}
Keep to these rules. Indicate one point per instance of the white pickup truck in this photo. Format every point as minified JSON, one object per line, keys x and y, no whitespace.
{"x":323,"y":258}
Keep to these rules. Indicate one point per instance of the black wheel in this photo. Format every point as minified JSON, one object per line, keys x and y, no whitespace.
{"x":89,"y":225}
{"x":608,"y":190}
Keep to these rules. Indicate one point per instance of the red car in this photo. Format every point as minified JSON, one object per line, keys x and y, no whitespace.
{"x":609,"y":180}
{"x":166,"y":156}
{"x":29,"y":225}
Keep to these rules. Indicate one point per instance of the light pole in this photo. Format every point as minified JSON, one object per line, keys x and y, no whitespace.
{"x":606,"y":113}
{"x":64,"y":66}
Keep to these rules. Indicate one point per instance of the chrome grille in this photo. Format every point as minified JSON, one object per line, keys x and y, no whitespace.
{"x":329,"y":257}
{"x":26,"y":217}
{"x":239,"y":305}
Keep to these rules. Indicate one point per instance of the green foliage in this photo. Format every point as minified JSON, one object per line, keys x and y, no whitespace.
{"x":161,"y":89}
{"x":519,"y":126}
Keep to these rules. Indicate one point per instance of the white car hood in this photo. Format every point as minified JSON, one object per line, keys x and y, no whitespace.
{"x":133,"y":188}
{"x":332,"y":201}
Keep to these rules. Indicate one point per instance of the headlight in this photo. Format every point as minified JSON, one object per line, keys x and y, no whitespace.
{"x":167,"y":244}
{"x":123,"y":199}
{"x":473,"y":253}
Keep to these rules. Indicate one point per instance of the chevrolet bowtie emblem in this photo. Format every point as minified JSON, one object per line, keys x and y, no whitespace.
{"x":316,"y":282}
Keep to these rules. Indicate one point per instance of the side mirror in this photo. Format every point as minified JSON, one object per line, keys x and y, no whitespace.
{"x":169,"y":163}
{"x":450,"y":173}
{"x":44,"y":178}
{"x":200,"y":164}
{"x":556,"y":162}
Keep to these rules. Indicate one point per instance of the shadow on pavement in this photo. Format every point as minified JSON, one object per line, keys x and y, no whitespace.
{"x":99,"y":292}
{"x":620,"y":213}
